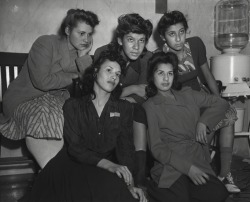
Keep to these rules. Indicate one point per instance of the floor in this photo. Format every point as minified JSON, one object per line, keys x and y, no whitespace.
{"x":241,"y":173}
{"x":13,"y":187}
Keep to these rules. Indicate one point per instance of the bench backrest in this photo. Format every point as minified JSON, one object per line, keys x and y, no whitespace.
{"x":10,"y":66}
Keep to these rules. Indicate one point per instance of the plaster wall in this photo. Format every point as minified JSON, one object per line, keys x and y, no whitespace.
{"x":22,"y":21}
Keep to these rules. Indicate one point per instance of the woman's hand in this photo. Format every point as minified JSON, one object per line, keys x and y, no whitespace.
{"x":138,"y":193}
{"x":121,"y":171}
{"x":201,"y":133}
{"x":140,"y":90}
{"x":130,"y":99}
{"x":197,"y":175}
{"x":86,"y":50}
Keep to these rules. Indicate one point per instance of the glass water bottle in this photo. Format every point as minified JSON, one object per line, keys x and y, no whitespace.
{"x":231,"y":24}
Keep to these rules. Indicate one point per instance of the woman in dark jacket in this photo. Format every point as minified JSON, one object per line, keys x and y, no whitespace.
{"x":96,"y":163}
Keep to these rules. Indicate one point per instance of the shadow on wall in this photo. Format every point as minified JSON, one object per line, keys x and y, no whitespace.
{"x":156,"y":37}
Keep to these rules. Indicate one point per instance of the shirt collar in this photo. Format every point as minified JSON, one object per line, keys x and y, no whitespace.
{"x":159,"y":99}
{"x":111,"y":101}
{"x":134,"y":64}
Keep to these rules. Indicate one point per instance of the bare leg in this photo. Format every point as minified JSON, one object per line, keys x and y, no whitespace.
{"x":43,"y":150}
{"x":140,"y":138}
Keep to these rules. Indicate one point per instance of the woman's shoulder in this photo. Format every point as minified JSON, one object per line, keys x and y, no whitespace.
{"x":73,"y":104}
{"x":149,"y":103}
{"x":124,"y":104}
{"x":148,"y":54}
{"x":50,"y":38}
{"x":194,"y":40}
{"x":47,"y":41}
{"x":184,"y":90}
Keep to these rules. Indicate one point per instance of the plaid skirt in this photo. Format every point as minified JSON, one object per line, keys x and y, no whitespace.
{"x":40,"y":118}
{"x":230,"y":119}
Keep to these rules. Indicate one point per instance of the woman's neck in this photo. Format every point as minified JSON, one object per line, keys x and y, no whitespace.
{"x":180,"y":54}
{"x":100,"y":100}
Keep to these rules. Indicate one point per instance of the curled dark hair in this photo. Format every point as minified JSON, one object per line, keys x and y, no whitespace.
{"x":153,"y":63}
{"x":77,"y":15}
{"x":133,"y":23}
{"x":89,"y":76}
{"x":169,"y":19}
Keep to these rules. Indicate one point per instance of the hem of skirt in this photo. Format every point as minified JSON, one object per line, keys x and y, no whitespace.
{"x":46,"y":138}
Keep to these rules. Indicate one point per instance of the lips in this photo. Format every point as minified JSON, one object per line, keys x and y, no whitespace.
{"x":111,"y":82}
{"x":84,"y":45}
{"x":178,"y":46}
{"x":135,"y":54}
{"x":165,"y":84}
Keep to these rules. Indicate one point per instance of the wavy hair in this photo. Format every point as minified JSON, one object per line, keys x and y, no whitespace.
{"x":133,"y":23}
{"x":153,"y":63}
{"x":89,"y":76}
{"x":169,"y":19}
{"x":77,"y":15}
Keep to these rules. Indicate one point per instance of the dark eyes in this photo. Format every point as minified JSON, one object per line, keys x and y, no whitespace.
{"x":182,"y":31}
{"x":110,"y":71}
{"x":142,"y":40}
{"x":162,"y":73}
{"x":171,"y":34}
{"x":84,"y":33}
{"x":132,"y":40}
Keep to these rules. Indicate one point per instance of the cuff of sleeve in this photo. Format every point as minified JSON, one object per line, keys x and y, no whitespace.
{"x":180,"y":163}
{"x":94,"y":160}
{"x":137,"y":98}
{"x":83,"y":62}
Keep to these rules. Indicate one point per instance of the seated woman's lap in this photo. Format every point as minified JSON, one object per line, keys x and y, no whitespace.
{"x":184,"y":190}
{"x":67,"y":180}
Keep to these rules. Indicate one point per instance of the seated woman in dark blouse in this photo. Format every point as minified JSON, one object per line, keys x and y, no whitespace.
{"x":96,"y":163}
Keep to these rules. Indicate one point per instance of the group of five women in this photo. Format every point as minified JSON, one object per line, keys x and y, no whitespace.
{"x":93,"y":148}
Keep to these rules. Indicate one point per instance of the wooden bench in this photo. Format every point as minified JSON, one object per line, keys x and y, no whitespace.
{"x":14,"y":156}
{"x":10,"y":65}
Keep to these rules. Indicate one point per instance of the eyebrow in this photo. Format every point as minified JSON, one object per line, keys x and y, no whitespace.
{"x":113,"y":68}
{"x":129,"y":35}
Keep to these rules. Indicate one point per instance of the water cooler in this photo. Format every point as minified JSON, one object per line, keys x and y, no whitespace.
{"x":231,"y":35}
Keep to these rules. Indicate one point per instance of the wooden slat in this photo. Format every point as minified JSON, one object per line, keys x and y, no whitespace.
{"x":10,"y":65}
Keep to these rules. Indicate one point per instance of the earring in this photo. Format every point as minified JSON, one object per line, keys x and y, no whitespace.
{"x":165,"y":48}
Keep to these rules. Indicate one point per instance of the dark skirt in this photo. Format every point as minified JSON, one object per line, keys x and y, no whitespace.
{"x":63,"y":180}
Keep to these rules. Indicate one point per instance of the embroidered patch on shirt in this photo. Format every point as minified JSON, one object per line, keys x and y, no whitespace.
{"x":114,"y":114}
